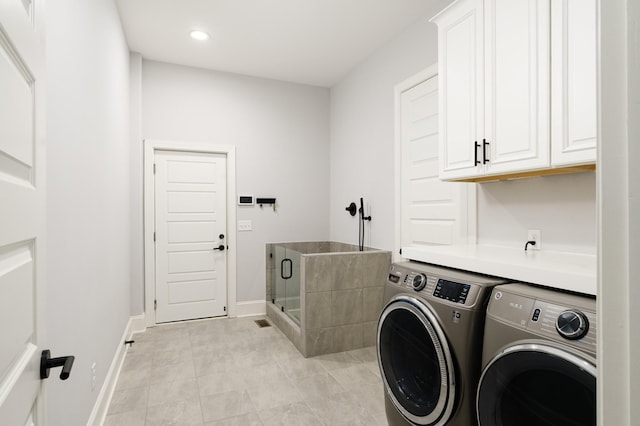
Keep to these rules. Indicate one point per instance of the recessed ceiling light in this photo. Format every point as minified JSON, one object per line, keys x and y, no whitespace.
{"x":199,"y":35}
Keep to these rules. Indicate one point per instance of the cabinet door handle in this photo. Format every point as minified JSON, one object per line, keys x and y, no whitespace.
{"x":485,"y":159}
{"x":475,"y":153}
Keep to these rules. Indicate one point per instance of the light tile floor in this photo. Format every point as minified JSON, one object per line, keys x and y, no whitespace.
{"x":232,"y":372}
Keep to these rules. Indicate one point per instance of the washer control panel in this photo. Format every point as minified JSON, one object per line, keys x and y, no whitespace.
{"x":455,"y":290}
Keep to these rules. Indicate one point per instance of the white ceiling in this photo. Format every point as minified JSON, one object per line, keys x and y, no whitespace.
{"x":313,"y":42}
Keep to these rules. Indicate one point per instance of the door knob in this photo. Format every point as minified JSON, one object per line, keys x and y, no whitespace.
{"x":220,"y":247}
{"x":46,"y":363}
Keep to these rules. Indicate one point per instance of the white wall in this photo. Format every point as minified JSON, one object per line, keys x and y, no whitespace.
{"x":280,"y":131}
{"x":563,"y":208}
{"x":362,"y":134}
{"x":618,"y":214}
{"x":87,"y":198}
{"x":633,"y":180}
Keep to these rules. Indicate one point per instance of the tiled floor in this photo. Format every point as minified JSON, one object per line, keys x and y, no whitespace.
{"x":231,"y":372}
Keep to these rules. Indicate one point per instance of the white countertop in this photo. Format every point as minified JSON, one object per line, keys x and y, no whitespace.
{"x":568,"y":271}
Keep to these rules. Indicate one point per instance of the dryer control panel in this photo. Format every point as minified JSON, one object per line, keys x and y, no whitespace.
{"x":562,"y":317}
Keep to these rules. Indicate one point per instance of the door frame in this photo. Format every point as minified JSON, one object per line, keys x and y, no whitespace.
{"x":150,"y":147}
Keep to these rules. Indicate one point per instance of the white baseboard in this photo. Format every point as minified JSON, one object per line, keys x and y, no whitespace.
{"x":251,"y":308}
{"x":138,"y":324}
{"x":99,"y":412}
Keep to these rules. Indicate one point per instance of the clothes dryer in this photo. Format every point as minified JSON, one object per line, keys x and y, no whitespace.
{"x":429,"y":343}
{"x":539,"y":358}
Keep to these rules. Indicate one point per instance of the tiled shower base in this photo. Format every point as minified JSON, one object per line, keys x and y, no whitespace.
{"x":341,"y":292}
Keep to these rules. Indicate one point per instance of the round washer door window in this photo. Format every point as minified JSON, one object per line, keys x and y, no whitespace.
{"x":415,"y":361}
{"x":537,"y":385}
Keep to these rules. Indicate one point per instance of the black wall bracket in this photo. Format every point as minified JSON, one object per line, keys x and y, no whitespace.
{"x":262,"y":201}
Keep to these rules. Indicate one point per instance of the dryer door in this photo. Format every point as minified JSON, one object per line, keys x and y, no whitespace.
{"x":537,"y":385}
{"x":415,"y":361}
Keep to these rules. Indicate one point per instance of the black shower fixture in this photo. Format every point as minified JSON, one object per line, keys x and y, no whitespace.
{"x":351,"y":208}
{"x":361,"y":225}
{"x":362,"y":216}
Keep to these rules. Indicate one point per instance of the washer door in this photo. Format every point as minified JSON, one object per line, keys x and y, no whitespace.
{"x":415,"y":361}
{"x":537,"y":385}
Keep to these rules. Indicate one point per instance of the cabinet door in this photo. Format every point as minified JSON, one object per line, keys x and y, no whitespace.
{"x":517,"y":84}
{"x":461,"y":71}
{"x":573,"y":79}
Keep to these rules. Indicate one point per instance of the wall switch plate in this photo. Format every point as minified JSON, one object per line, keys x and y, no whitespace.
{"x":245,"y":225}
{"x":534,"y":235}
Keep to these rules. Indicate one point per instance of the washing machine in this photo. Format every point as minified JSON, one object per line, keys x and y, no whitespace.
{"x":539,"y":358}
{"x":429,"y":343}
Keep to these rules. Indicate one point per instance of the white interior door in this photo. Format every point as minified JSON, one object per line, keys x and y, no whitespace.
{"x":433,"y":212}
{"x":191,"y":229}
{"x":21,"y":211}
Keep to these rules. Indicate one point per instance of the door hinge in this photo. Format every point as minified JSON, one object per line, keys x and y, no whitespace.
{"x":154,"y":168}
{"x":154,"y":236}
{"x":400,"y":249}
{"x":155,"y":305}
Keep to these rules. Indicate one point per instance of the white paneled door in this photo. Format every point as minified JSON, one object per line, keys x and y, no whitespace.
{"x":21,"y":211}
{"x":191,"y":242}
{"x":433,"y":212}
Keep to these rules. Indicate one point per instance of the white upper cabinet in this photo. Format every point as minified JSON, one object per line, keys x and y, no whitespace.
{"x":498,"y":63}
{"x":460,"y":68}
{"x":574,"y":127}
{"x":516,"y":63}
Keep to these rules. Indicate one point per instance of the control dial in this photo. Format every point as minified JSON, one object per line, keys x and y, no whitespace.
{"x":572,"y":325}
{"x":419,"y":282}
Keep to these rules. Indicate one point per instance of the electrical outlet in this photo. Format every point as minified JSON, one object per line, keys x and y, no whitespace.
{"x":245,"y":225}
{"x":93,"y":376}
{"x":534,"y":235}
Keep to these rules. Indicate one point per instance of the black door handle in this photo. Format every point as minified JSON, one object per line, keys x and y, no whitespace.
{"x":46,"y":363}
{"x":220,"y":247}
{"x":476,"y":145}
{"x":282,"y":275}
